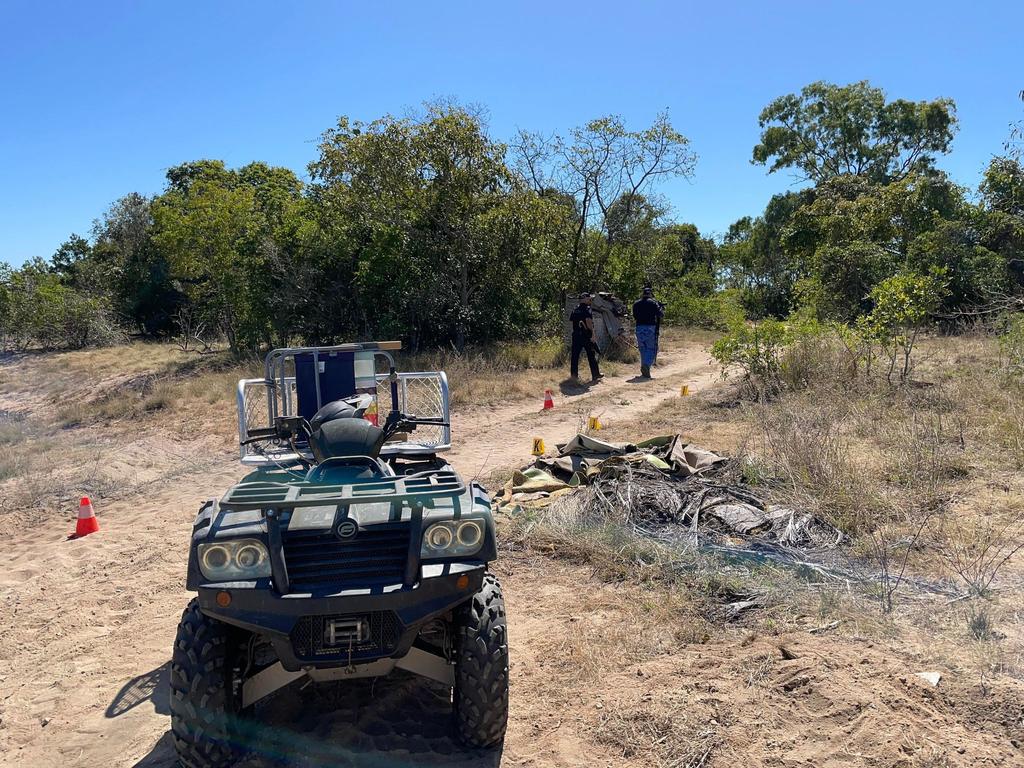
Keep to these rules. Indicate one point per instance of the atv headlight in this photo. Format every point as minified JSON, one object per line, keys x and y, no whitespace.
{"x":243,"y":559}
{"x":452,"y":538}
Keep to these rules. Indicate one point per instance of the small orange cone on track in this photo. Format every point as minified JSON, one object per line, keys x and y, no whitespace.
{"x":87,"y":522}
{"x":549,"y":402}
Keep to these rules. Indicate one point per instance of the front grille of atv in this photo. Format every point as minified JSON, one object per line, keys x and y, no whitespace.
{"x":308,"y":638}
{"x":376,"y":555}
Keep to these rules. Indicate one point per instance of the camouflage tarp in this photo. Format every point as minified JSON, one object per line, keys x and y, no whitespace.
{"x":611,"y":320}
{"x":664,"y":484}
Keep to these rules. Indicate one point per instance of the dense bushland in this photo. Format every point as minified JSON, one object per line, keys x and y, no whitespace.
{"x":429,"y":229}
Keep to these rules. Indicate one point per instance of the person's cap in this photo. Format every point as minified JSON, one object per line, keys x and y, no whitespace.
{"x":648,"y":291}
{"x":585,"y":295}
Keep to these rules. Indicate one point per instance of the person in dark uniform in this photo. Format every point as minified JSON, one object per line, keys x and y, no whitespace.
{"x":582,"y":319}
{"x":647,"y":314}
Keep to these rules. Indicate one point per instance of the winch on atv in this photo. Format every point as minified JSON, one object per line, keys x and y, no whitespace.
{"x":350,"y":550}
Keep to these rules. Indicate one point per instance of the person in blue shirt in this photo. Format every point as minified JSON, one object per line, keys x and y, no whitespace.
{"x":582,"y":319}
{"x":647,"y":314}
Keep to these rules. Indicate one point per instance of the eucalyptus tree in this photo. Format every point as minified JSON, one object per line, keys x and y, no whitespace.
{"x":830,"y":130}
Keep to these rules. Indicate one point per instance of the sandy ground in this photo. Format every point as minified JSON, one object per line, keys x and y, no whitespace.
{"x":90,"y":623}
{"x":489,"y":438}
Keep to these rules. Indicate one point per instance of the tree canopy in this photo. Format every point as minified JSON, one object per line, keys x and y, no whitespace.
{"x":428,"y":228}
{"x":830,"y":130}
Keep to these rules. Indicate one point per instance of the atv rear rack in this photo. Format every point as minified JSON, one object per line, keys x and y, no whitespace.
{"x":308,"y":493}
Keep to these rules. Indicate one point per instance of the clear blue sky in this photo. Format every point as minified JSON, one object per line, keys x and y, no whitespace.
{"x":97,"y":99}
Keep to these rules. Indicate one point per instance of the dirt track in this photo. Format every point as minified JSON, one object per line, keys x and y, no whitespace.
{"x":84,"y":658}
{"x":84,"y":670}
{"x":490,"y":438}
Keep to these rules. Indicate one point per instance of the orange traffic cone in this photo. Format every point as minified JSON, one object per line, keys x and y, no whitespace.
{"x":549,"y":401}
{"x":87,"y":522}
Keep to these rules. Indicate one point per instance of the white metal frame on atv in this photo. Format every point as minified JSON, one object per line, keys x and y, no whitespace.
{"x":260,"y":401}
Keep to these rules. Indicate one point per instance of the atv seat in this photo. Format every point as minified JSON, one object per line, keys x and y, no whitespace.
{"x":346,"y":437}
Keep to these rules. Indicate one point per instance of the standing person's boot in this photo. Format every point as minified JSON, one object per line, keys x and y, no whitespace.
{"x":645,"y":371}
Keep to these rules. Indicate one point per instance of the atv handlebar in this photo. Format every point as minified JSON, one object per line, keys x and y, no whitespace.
{"x":401,"y":422}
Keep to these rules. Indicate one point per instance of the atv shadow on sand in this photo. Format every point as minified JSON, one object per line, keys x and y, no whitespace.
{"x":398,"y":720}
{"x":152,"y":687}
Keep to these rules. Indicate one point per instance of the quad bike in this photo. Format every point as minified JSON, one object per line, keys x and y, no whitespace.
{"x":351,"y":550}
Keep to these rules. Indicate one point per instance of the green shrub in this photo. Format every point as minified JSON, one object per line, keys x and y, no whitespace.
{"x":903,"y":303}
{"x":757,"y":351}
{"x":693,"y":301}
{"x":1011,"y":345}
{"x":37,"y":309}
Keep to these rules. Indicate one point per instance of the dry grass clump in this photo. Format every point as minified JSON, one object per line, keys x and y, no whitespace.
{"x":900,"y":468}
{"x":13,"y":429}
{"x":833,"y":439}
{"x":707,"y":583}
{"x":806,"y":447}
{"x":506,"y":357}
{"x":146,"y":394}
{"x":813,"y":359}
{"x":613,"y":550}
{"x":664,"y":738}
{"x":622,"y":628}
{"x":903,"y":470}
{"x":100,"y":362}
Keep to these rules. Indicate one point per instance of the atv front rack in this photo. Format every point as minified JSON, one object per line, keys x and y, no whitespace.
{"x":278,"y":500}
{"x":309,"y":493}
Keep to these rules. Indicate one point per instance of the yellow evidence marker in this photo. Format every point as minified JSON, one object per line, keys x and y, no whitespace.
{"x":593,"y":423}
{"x":538,"y":446}
{"x":685,"y":390}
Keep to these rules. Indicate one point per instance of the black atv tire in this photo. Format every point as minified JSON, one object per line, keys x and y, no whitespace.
{"x":481,"y":668}
{"x":204,"y":699}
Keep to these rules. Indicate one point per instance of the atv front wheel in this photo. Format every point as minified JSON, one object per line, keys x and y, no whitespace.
{"x":481,"y":667}
{"x":204,"y":696}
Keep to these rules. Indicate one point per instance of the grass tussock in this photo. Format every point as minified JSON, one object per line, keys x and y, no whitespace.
{"x":607,"y":544}
{"x":658,"y":736}
{"x":148,"y":394}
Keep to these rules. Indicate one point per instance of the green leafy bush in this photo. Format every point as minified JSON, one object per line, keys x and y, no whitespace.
{"x":38,"y":310}
{"x":756,"y":350}
{"x":903,"y":303}
{"x":692,"y":300}
{"x":1011,"y":345}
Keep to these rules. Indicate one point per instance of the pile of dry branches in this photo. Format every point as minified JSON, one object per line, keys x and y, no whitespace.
{"x":710,"y":507}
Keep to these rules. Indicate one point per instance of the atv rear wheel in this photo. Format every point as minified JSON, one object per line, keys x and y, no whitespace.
{"x":481,"y":667}
{"x":205,"y":697}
